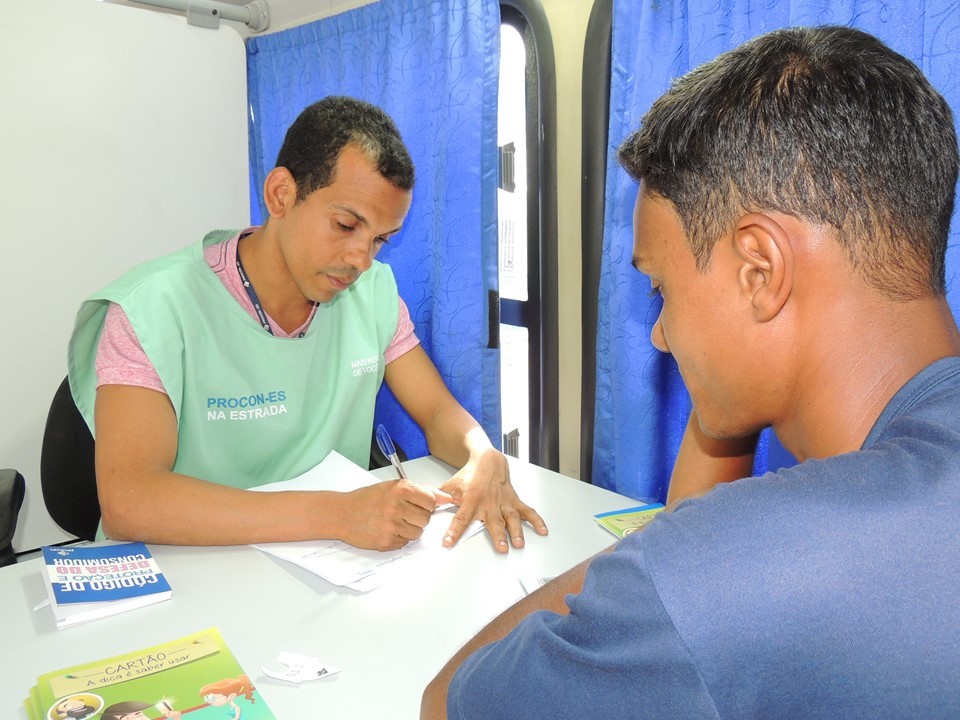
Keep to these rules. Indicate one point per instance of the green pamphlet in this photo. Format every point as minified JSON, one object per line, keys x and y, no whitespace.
{"x":623,"y":522}
{"x":193,"y":678}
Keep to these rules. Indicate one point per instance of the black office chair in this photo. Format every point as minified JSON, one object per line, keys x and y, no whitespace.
{"x":12,"y":490}
{"x":67,"y":474}
{"x":378,"y":459}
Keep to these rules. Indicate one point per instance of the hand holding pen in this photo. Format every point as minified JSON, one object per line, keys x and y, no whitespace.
{"x":394,"y":512}
{"x":387,"y":448}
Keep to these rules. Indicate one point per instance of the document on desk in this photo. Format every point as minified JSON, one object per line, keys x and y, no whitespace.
{"x":341,"y":563}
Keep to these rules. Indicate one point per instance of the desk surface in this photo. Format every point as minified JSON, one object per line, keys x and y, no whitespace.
{"x":388,"y":643}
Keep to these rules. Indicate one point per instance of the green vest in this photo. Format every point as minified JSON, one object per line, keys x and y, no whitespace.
{"x":251,"y":408}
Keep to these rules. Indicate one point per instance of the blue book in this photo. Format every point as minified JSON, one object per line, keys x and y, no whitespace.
{"x":85,"y":582}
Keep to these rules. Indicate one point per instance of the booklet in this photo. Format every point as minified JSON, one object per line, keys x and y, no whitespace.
{"x":623,"y":522}
{"x":195,"y":678}
{"x":86,"y":582}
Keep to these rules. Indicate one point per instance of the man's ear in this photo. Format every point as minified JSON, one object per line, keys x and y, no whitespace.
{"x":279,"y":192}
{"x":765,"y":252}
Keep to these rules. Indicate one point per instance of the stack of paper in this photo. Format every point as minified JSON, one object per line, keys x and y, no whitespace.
{"x":341,"y":563}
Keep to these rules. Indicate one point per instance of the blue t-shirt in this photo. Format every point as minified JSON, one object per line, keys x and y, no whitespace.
{"x":825,"y":590}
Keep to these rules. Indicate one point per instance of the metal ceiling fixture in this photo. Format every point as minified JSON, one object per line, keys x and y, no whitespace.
{"x":208,"y":13}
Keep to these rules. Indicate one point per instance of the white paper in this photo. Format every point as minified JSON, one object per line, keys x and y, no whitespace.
{"x":335,"y":560}
{"x":533,"y":582}
{"x":300,"y":668}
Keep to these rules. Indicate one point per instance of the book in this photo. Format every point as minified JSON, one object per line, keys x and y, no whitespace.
{"x":86,"y":582}
{"x":623,"y":522}
{"x":193,"y":678}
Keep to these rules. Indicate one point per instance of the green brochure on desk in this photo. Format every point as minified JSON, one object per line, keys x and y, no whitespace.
{"x":623,"y":522}
{"x":193,"y":678}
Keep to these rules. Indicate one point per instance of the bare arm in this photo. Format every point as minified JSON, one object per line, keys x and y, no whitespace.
{"x":141,"y":498}
{"x":482,"y":486}
{"x":704,"y":462}
{"x":549,"y":597}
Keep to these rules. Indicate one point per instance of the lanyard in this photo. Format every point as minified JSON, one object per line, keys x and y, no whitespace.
{"x":252,"y":294}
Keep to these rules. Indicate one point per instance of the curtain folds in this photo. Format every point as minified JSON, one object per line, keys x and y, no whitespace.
{"x":433,"y":67}
{"x":641,"y":404}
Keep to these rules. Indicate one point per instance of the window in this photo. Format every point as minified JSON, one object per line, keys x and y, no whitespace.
{"x":528,"y":236}
{"x":512,"y":222}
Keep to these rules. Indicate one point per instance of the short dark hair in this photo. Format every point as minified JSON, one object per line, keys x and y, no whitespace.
{"x":827,"y":124}
{"x":314,"y":142}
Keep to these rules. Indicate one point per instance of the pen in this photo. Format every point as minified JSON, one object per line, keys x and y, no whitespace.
{"x":387,"y":448}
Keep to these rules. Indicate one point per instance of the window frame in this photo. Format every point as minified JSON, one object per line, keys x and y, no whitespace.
{"x":595,"y":111}
{"x":539,"y":314}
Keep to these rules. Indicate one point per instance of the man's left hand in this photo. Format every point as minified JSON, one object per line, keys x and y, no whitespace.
{"x":482,"y":490}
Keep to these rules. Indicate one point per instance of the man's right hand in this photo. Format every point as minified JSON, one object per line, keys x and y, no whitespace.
{"x":388,"y":515}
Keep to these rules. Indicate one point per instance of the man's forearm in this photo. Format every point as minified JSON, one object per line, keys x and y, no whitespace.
{"x":551,"y":596}
{"x":703,"y":462}
{"x":173,"y":509}
{"x":454,"y":436}
{"x":142,"y":498}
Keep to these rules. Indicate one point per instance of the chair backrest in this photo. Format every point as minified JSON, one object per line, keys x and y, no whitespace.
{"x":12,"y":489}
{"x":378,"y":459}
{"x":67,"y":473}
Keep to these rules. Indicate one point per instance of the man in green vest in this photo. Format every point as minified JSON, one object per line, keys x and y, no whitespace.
{"x":247,"y":358}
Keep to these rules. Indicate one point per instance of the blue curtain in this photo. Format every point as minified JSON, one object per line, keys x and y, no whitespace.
{"x":642,"y":406}
{"x":433,"y":67}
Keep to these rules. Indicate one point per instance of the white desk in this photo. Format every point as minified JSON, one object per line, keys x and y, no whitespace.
{"x":388,"y":643}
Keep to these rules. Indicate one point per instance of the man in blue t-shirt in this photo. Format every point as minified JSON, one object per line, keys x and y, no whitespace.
{"x":793,"y":212}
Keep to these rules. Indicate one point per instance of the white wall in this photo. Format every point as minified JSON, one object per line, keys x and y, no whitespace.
{"x":123,"y":135}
